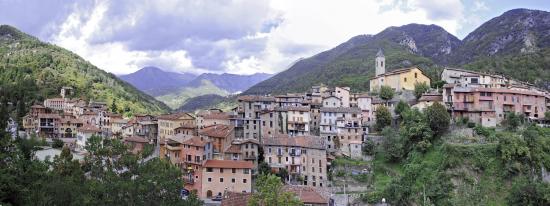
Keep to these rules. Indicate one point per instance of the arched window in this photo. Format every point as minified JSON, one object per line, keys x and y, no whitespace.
{"x":209,"y":194}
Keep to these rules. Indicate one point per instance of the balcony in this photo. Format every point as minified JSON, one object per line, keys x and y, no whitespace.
{"x":173,"y":147}
{"x":486,"y":98}
{"x":468,"y":99}
{"x":189,"y":181}
{"x":250,"y":157}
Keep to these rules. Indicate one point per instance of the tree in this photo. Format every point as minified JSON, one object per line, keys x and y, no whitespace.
{"x":114,"y":108}
{"x":283,"y":174}
{"x":438,"y":84}
{"x":401,"y":107}
{"x":264,"y":169}
{"x":415,"y":130}
{"x":57,"y":143}
{"x":420,"y":88}
{"x":547,"y":116}
{"x":269,"y":192}
{"x":383,"y":118}
{"x":514,"y":153}
{"x":386,"y":93}
{"x":368,"y":147}
{"x":394,"y":146}
{"x":512,"y":121}
{"x":525,"y":192}
{"x":438,"y":118}
{"x":193,"y":199}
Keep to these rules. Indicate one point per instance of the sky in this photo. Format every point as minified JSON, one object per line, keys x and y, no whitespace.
{"x":232,"y":36}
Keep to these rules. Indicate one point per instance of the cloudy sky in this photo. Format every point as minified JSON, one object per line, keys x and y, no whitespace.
{"x":234,"y":36}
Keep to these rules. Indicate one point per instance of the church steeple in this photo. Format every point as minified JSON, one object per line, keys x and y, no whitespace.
{"x":380,"y":63}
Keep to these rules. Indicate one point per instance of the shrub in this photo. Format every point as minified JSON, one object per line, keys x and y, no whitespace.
{"x":368,"y":147}
{"x":383,"y":118}
{"x":471,"y":124}
{"x":57,"y":143}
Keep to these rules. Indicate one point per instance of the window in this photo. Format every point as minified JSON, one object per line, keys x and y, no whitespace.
{"x":209,"y":169}
{"x":246,"y":171}
{"x":232,"y":180}
{"x":405,"y":79}
{"x":244,"y":180}
{"x":209,"y":179}
{"x":234,"y":170}
{"x":221,"y":170}
{"x":415,"y":75}
{"x":221,"y":179}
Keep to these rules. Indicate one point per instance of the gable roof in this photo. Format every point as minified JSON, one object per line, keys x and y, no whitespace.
{"x":136,"y":139}
{"x":195,"y":141}
{"x":175,"y":116}
{"x":236,"y":199}
{"x":306,"y":194}
{"x":88,"y":128}
{"x":220,"y":131}
{"x":399,"y":71}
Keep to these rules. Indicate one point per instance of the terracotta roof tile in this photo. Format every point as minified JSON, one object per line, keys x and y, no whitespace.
{"x":195,"y":141}
{"x":254,"y":98}
{"x":236,"y":199}
{"x":220,"y":131}
{"x":89,"y":128}
{"x":223,"y":116}
{"x":307,"y":194}
{"x":233,"y":149}
{"x":174,"y":116}
{"x":136,"y":139}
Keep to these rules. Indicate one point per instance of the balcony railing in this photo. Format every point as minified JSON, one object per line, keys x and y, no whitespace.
{"x":170,"y":147}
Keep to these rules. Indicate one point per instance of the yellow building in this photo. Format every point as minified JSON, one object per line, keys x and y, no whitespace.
{"x":167,"y":125}
{"x":400,"y":79}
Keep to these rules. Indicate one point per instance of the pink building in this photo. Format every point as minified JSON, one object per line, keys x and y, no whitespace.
{"x":193,"y":156}
{"x":488,"y":106}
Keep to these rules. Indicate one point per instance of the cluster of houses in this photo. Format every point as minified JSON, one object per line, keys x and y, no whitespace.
{"x":301,"y":133}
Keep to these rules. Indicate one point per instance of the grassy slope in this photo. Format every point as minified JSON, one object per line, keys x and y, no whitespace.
{"x":25,"y":57}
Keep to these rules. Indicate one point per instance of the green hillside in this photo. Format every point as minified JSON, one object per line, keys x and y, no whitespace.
{"x":516,"y":40}
{"x":24,"y":58}
{"x":177,"y":99}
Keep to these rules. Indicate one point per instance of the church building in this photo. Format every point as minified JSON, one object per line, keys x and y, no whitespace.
{"x":399,"y":79}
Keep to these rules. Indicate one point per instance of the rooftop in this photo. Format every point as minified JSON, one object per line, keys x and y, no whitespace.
{"x":313,"y":142}
{"x":136,"y":139}
{"x":220,"y":131}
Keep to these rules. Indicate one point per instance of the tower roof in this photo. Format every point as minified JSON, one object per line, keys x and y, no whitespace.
{"x":380,"y":53}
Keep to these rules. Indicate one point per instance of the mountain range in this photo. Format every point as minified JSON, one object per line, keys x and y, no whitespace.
{"x":155,"y":81}
{"x":175,"y":89}
{"x":517,"y":40}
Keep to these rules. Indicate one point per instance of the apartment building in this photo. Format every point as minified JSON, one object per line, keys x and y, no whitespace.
{"x":473,"y":79}
{"x":294,"y":120}
{"x":488,"y":106}
{"x":167,"y":125}
{"x":249,"y":110}
{"x":194,"y":154}
{"x":304,"y":157}
{"x":220,"y":176}
{"x":343,"y":123}
{"x":220,"y":136}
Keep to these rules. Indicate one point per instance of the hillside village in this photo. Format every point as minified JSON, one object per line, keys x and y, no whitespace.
{"x":300,"y":136}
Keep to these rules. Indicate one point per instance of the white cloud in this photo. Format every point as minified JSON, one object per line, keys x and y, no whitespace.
{"x":301,"y":29}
